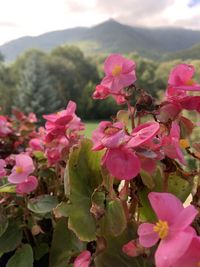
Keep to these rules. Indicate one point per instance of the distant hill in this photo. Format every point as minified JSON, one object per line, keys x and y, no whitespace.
{"x":109,"y":37}
{"x":190,"y":53}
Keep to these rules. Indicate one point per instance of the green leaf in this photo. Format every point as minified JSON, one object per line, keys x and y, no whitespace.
{"x":84,"y":176}
{"x":62,"y":209}
{"x":113,"y":255}
{"x":147,"y":179}
{"x":146,"y":211}
{"x":23,"y":257}
{"x":11,"y":238}
{"x":3,"y":222}
{"x":39,"y":155}
{"x":8,"y":188}
{"x":40,"y":250}
{"x":114,"y":221}
{"x":65,"y":244}
{"x":123,"y":116}
{"x":179,"y":187}
{"x":42,"y":204}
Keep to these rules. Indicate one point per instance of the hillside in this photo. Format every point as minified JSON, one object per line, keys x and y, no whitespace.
{"x":190,"y":53}
{"x":107,"y":37}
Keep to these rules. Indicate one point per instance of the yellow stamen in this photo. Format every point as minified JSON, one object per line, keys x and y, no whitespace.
{"x":184,"y":143}
{"x":162,"y":229}
{"x":190,"y":82}
{"x":111,"y":130}
{"x":19,"y":169}
{"x":116,"y":70}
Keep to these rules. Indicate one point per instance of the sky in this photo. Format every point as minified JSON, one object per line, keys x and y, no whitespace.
{"x":34,"y":17}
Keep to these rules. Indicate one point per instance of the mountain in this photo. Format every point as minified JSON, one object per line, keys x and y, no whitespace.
{"x":190,"y":53}
{"x":109,"y":37}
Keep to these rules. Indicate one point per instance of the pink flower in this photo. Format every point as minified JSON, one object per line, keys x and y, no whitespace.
{"x":191,"y":257}
{"x":36,"y":144}
{"x":83,"y":260}
{"x":59,"y":123}
{"x":143,"y":133}
{"x":29,"y":185}
{"x":23,"y":167}
{"x":32,"y":117}
{"x":130,"y":248}
{"x":2,"y":170}
{"x":171,"y":145}
{"x":101,"y":92}
{"x":4,"y":127}
{"x":109,"y":135}
{"x":181,"y":78}
{"x":120,"y":73}
{"x":172,"y":228}
{"x":122,"y":163}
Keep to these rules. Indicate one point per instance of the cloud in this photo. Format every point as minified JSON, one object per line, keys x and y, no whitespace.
{"x":7,"y":24}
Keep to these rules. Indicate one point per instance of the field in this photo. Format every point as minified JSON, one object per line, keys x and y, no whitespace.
{"x":90,"y":126}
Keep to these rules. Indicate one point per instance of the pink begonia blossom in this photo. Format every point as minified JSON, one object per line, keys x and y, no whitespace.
{"x":122,"y":163}
{"x":36,"y":144}
{"x":59,"y":123}
{"x":181,"y":76}
{"x":121,"y":158}
{"x":23,"y":167}
{"x":109,"y":135}
{"x":32,"y":117}
{"x":119,"y":73}
{"x":143,"y":133}
{"x":83,"y":260}
{"x":2,"y":168}
{"x":4,"y":127}
{"x":102,"y":92}
{"x":130,"y":248}
{"x":191,"y":258}
{"x":29,"y":185}
{"x":171,"y":146}
{"x":172,"y":228}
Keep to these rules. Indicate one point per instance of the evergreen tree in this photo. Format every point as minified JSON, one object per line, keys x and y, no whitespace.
{"x":35,"y":89}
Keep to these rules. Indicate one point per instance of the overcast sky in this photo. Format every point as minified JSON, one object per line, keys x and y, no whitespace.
{"x":33,"y":17}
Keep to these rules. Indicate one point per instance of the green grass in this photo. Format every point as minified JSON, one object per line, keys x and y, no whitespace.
{"x":89,"y":128}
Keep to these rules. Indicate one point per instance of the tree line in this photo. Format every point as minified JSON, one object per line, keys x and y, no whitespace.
{"x":42,"y":82}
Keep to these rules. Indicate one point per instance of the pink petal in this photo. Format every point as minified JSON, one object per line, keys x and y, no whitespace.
{"x":111,"y":62}
{"x":184,"y":218}
{"x":122,"y":163}
{"x":143,"y":133}
{"x":166,"y":206}
{"x":25,"y":162}
{"x":63,"y":120}
{"x":147,"y":237}
{"x":83,"y":260}
{"x":172,"y":248}
{"x":180,"y":74}
{"x":115,"y":140}
{"x":17,"y":178}
{"x":29,"y":185}
{"x":191,"y":257}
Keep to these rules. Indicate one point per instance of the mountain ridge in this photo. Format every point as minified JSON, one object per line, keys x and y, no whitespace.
{"x":109,"y":37}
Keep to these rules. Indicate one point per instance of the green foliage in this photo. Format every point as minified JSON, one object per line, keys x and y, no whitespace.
{"x":23,"y":257}
{"x":83,"y":177}
{"x":42,"y":204}
{"x":35,"y":91}
{"x":11,"y":238}
{"x":65,"y":244}
{"x":114,"y":221}
{"x":113,"y":255}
